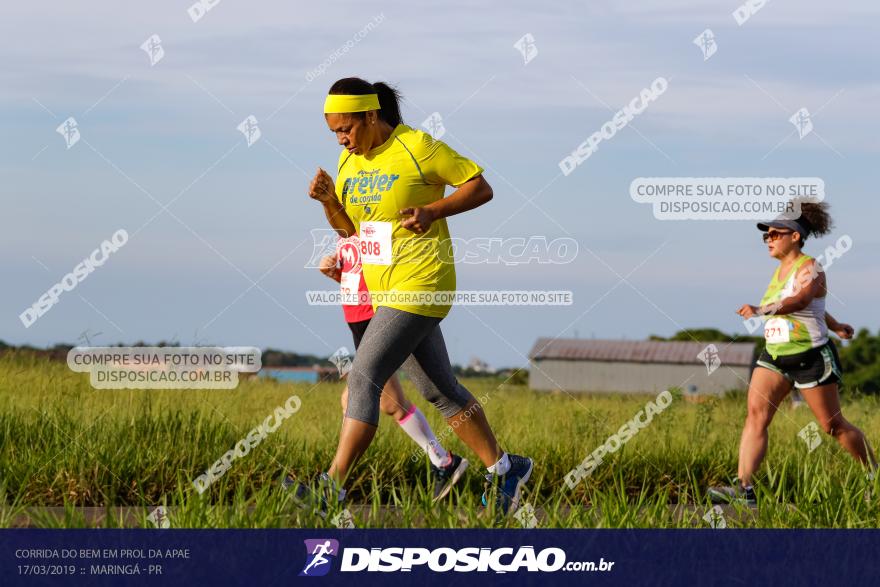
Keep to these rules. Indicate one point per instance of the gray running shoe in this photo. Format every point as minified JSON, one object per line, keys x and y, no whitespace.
{"x":735,"y":494}
{"x":446,"y":477}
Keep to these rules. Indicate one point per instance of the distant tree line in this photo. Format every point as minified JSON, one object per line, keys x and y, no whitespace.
{"x":270,"y":357}
{"x":859,"y":357}
{"x":276,"y":358}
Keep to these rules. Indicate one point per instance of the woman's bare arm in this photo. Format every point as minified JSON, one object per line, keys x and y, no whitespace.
{"x":322,"y":189}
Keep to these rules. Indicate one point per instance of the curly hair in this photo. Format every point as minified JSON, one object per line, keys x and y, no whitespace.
{"x":815,"y":218}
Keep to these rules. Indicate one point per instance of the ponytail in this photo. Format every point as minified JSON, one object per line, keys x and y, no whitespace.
{"x":815,"y":218}
{"x":389,"y":97}
{"x":389,"y":102}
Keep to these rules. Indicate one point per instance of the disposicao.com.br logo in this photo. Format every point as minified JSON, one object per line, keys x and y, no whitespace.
{"x":318,"y":553}
{"x":442,"y":560}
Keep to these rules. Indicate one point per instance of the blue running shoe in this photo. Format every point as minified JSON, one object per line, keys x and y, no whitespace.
{"x":508,"y":487}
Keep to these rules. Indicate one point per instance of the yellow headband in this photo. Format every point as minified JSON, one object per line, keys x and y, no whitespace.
{"x":341,"y":103}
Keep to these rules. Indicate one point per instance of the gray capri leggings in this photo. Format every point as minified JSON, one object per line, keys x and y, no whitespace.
{"x":392,"y":336}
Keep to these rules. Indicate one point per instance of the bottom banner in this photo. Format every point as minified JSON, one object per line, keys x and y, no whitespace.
{"x":391,"y":557}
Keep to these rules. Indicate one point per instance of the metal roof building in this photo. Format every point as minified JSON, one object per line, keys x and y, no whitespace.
{"x":639,"y":366}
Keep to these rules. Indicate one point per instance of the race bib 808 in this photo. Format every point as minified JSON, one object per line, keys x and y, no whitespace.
{"x":376,"y":243}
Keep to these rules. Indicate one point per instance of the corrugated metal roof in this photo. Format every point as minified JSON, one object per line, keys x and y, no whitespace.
{"x":639,"y":351}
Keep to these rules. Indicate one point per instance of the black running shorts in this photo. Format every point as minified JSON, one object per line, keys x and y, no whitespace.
{"x":812,"y":368}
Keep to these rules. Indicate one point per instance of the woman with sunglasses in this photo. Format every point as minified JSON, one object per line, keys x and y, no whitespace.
{"x":390,"y":192}
{"x":798,"y":351}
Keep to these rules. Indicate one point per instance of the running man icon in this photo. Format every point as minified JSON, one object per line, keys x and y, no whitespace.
{"x":317,"y":560}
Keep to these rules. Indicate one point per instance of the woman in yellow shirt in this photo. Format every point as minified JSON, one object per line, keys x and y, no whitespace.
{"x":389,"y":190}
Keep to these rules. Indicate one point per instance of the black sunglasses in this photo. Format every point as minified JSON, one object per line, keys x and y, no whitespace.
{"x":775,"y":235}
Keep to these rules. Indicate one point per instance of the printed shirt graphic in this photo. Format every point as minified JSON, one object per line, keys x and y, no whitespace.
{"x":409,"y":170}
{"x":806,"y":328}
{"x":348,"y":251}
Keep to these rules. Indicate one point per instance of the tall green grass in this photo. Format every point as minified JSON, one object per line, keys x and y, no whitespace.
{"x":65,"y":444}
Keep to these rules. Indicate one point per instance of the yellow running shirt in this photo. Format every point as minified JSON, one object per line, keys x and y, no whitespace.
{"x":409,"y":170}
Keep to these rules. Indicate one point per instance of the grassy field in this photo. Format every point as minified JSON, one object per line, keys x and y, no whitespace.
{"x":65,"y":444}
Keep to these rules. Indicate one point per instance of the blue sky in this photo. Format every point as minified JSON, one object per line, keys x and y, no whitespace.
{"x":242,"y":214}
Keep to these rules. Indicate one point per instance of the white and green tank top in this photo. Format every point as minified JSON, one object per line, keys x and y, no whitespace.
{"x":799,"y":331}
